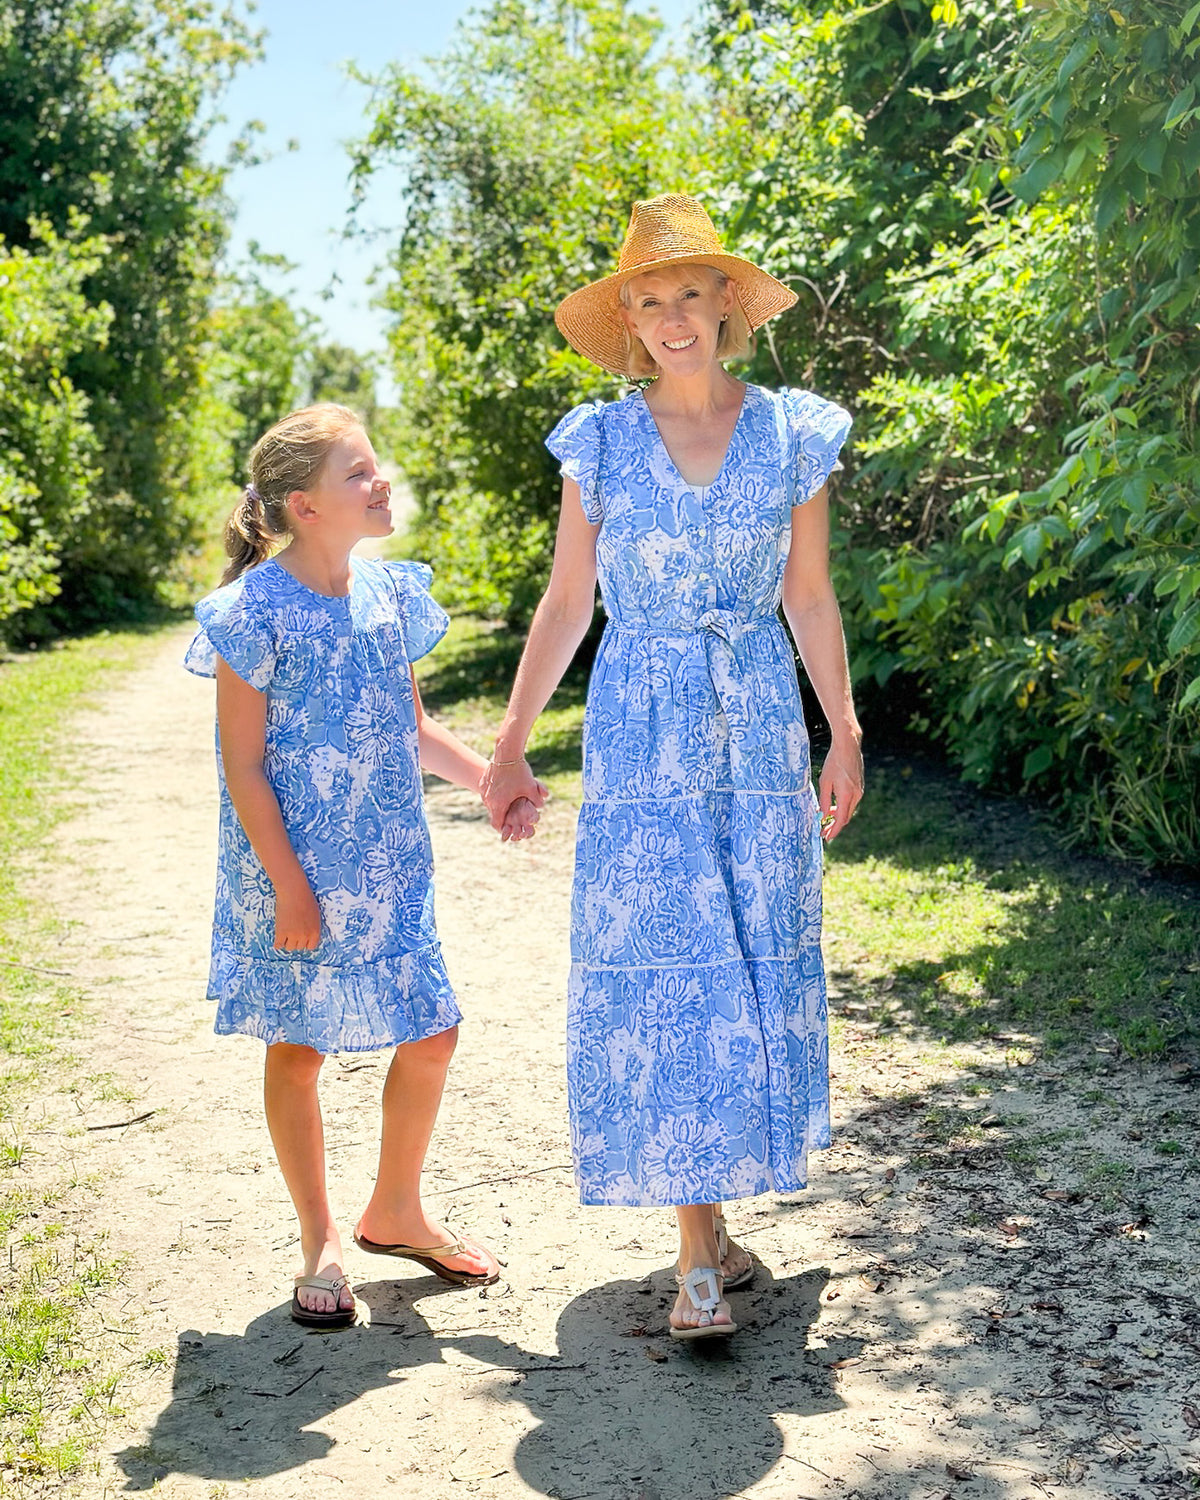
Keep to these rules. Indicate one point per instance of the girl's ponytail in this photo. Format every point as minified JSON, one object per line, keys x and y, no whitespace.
{"x":288,"y":457}
{"x":249,"y":536}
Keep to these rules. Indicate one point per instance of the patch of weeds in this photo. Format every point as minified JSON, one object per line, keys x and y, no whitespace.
{"x":1169,"y":1148}
{"x":48,"y":1388}
{"x":12,"y":1154}
{"x":155,"y":1357}
{"x":1107,"y":1180}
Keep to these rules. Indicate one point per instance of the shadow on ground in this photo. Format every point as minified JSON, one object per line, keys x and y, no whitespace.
{"x":619,"y":1400}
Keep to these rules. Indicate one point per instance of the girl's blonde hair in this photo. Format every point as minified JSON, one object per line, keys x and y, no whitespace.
{"x":732,"y":342}
{"x":289,"y":456}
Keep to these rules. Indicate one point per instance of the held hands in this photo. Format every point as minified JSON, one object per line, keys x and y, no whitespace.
{"x":297,"y":917}
{"x":506,"y":785}
{"x":841,"y":786}
{"x":520,"y":822}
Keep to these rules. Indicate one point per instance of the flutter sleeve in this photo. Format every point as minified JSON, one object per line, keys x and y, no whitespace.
{"x":816,"y":430}
{"x":236,"y":627}
{"x":422,"y":618}
{"x":575,"y":442}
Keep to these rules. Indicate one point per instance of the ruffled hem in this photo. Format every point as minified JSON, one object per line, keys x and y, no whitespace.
{"x":403,"y":998}
{"x":697,"y":1085}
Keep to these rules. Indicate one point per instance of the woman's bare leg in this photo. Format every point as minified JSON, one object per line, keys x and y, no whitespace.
{"x":736,"y":1260}
{"x":697,"y":1247}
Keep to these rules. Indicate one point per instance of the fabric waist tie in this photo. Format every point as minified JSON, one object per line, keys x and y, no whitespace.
{"x":715,"y":675}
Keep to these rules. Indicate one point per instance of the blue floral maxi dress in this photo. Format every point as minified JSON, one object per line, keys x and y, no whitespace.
{"x":342,"y":758}
{"x":697,"y":1047}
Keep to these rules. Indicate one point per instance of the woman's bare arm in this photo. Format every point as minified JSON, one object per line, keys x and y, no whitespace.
{"x":560,"y":623}
{"x":811,"y":609}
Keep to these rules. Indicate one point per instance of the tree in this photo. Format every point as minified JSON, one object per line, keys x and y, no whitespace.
{"x":338,"y":373}
{"x":104,"y":109}
{"x":522,"y":156}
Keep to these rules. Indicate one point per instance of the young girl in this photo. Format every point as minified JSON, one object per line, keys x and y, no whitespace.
{"x":323,"y":939}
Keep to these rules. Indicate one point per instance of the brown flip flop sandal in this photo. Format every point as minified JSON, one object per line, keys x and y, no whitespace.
{"x":428,"y":1256}
{"x":309,"y":1317}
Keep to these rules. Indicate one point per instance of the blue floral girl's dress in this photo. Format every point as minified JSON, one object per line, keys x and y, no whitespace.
{"x":342,"y":758}
{"x":697,"y":1049}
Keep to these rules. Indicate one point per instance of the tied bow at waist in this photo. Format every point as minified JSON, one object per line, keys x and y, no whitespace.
{"x":716,"y":676}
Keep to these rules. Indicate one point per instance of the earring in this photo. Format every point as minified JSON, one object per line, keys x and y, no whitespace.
{"x":724,"y":317}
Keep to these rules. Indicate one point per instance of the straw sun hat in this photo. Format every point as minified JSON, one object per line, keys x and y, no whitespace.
{"x":668,"y":231}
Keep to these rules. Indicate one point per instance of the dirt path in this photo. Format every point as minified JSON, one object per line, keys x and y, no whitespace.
{"x":937,"y":1315}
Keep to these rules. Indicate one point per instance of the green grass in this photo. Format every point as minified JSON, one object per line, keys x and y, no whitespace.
{"x":38,"y":691}
{"x":52,"y":1400}
{"x":962,"y":915}
{"x":465,"y":683}
{"x":946,"y":910}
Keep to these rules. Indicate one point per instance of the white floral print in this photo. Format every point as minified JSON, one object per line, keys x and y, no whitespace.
{"x":697,"y":1051}
{"x":342,"y":758}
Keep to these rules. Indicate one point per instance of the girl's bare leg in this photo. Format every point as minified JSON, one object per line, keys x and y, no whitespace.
{"x":298,"y":1135}
{"x":411,"y":1096}
{"x":697,"y":1247}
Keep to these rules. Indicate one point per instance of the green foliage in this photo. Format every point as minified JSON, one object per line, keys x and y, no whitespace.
{"x":522,"y":153}
{"x":993,"y":215}
{"x":104,"y":109}
{"x":256,"y":366}
{"x":339,"y":373}
{"x":48,"y":456}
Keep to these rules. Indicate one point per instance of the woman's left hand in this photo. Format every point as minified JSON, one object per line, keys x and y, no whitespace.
{"x":841,"y":786}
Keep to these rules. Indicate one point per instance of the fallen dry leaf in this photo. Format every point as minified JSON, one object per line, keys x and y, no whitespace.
{"x":1046,"y":1307}
{"x":890,"y":1175}
{"x":656,"y":1355}
{"x":1006,"y":1226}
{"x":1192,"y":1417}
{"x":876,"y":1195}
{"x":956,"y":1471}
{"x":844,"y":1364}
{"x":1060,"y":1195}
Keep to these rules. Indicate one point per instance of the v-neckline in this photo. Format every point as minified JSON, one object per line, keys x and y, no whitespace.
{"x":704,"y":488}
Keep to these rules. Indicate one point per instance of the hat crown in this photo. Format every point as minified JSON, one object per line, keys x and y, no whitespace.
{"x":666,"y":228}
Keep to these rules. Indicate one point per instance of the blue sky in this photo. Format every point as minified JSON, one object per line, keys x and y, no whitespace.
{"x":297,"y":203}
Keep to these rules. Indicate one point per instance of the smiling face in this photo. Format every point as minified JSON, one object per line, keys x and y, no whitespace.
{"x":349,"y":499}
{"x":677,"y":313}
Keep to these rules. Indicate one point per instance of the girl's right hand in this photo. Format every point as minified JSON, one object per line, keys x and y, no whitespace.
{"x":297,"y":918}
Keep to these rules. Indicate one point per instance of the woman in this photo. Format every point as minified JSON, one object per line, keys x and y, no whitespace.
{"x":697,"y":1049}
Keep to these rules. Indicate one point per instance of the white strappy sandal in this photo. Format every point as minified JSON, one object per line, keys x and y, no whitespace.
{"x":708,"y":1277}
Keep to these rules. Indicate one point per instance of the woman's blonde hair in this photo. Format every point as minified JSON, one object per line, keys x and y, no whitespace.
{"x":289,"y":456}
{"x":732,"y":342}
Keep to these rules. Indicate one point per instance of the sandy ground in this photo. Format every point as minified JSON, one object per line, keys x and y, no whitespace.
{"x":939,"y":1315}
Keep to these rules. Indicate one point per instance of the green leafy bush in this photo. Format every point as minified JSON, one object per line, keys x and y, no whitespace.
{"x":48,"y":450}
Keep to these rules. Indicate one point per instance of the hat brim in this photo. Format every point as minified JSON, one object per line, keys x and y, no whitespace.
{"x":590,"y":318}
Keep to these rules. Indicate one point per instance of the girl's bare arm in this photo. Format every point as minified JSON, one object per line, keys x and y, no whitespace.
{"x":242,"y":720}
